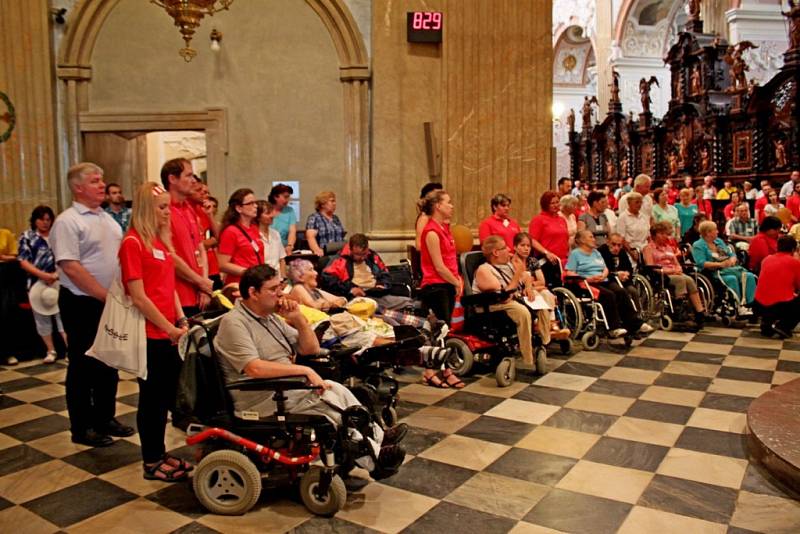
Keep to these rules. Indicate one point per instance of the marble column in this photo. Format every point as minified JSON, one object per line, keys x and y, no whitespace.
{"x":28,"y":159}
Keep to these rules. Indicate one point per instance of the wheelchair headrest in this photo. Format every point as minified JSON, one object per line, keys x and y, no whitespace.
{"x":469,"y":263}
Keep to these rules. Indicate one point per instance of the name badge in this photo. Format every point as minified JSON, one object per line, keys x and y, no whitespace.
{"x":505,"y":223}
{"x":255,"y":245}
{"x":159,"y":254}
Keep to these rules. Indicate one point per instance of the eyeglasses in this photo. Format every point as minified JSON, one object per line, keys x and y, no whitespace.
{"x":249,"y":203}
{"x":276,"y":290}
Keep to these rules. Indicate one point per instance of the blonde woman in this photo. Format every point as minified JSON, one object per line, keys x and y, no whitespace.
{"x":323,"y":226}
{"x":148,"y":274}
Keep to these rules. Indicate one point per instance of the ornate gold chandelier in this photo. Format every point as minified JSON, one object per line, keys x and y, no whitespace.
{"x":188,"y":14}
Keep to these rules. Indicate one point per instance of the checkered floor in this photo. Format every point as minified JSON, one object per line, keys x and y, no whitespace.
{"x":650,"y":440}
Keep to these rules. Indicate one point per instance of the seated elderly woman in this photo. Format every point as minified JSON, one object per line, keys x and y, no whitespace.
{"x":662,"y":252}
{"x":710,"y":253}
{"x":586,"y":262}
{"x":502,"y":273}
{"x":323,"y":227}
{"x":370,"y":334}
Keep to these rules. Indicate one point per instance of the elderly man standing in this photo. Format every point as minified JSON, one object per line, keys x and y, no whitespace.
{"x":641,"y":185}
{"x":788,"y":187}
{"x":85,"y":241}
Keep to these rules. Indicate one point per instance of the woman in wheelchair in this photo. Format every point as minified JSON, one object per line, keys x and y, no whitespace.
{"x":586,"y":262}
{"x":502,"y":273}
{"x":662,"y":255}
{"x":710,"y":253}
{"x":254,"y":342}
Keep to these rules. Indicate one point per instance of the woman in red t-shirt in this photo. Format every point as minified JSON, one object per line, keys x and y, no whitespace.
{"x":240,"y":245}
{"x":148,"y":274}
{"x":440,"y":280}
{"x":550,"y":236}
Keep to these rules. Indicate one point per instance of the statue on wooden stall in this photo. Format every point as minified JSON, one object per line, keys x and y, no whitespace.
{"x":586,"y":112}
{"x":582,"y":171}
{"x":672,"y":158}
{"x":794,"y":23}
{"x":611,"y":168}
{"x":644,"y":92}
{"x":623,"y":166}
{"x":693,"y":9}
{"x":683,"y":150}
{"x":705,"y":162}
{"x":696,"y":80}
{"x":614,"y":85}
{"x":780,"y":153}
{"x":571,"y":120}
{"x":735,"y":60}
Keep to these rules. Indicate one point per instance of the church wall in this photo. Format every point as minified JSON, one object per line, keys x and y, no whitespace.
{"x":28,"y":157}
{"x":487,"y":90}
{"x":276,"y":75}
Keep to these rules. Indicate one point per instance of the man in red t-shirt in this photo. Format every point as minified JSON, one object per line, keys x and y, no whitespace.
{"x":762,"y":201}
{"x":777,"y":299}
{"x":191,"y":263}
{"x":499,"y":222}
{"x":209,"y":227}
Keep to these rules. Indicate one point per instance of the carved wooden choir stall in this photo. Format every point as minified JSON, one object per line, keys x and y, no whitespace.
{"x":717,"y":123}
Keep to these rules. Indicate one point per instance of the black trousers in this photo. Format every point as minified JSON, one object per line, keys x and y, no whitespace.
{"x":91,"y":385}
{"x":785,"y":315}
{"x":440,"y":299}
{"x":626,"y":311}
{"x":157,"y":396}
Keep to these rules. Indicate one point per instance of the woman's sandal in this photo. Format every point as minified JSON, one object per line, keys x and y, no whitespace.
{"x":435,"y":381}
{"x":178,"y":463}
{"x":447,"y":375}
{"x":165,"y":472}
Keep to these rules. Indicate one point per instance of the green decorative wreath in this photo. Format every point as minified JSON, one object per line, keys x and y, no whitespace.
{"x":9,"y":117}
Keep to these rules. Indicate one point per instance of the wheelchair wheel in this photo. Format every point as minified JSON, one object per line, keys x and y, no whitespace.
{"x":540,"y":357}
{"x":666,"y":323}
{"x":706,"y":291}
{"x":566,"y":346}
{"x":389,"y":416}
{"x":324,"y":505}
{"x":590,"y":340}
{"x":726,"y":320}
{"x":569,"y":308}
{"x":226,"y":482}
{"x":461,"y":362}
{"x":646,"y":295}
{"x":506,"y":372}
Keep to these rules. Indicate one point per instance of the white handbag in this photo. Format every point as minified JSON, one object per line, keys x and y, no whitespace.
{"x":121,"y":341}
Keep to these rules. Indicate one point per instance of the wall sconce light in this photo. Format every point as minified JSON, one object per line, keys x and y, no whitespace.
{"x":216,"y":37}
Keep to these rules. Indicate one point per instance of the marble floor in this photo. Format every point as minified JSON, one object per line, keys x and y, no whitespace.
{"x":646,"y":440}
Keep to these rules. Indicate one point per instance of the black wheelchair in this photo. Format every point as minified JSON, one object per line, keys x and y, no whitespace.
{"x":366,"y":375}
{"x":487,"y":338}
{"x":240,"y":453}
{"x":594,"y":324}
{"x":670,"y":310}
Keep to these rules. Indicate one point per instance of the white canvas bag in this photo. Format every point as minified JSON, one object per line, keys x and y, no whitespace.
{"x":121,"y":341}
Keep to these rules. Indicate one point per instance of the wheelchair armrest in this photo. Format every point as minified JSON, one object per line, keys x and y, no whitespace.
{"x":572,"y":279}
{"x":284,"y":383}
{"x":484,"y":299}
{"x":204,"y":316}
{"x":343,"y":352}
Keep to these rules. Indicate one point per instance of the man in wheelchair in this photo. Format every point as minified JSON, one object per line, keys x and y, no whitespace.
{"x":260,"y":337}
{"x":501,"y":273}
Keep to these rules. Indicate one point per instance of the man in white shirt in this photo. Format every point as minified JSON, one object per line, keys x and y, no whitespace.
{"x":641,"y":185}
{"x":709,"y":191}
{"x":85,"y":241}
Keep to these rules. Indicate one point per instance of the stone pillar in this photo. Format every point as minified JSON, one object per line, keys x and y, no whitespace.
{"x":28,"y":158}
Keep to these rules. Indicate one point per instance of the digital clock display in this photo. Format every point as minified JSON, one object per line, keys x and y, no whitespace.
{"x":425,"y":26}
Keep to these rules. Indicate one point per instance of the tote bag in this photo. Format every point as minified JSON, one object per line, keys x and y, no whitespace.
{"x":120,"y":341}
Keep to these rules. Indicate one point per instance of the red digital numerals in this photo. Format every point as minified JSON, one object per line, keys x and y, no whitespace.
{"x":426,"y":21}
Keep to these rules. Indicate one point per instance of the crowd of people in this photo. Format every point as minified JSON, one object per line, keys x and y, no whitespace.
{"x":171,"y":252}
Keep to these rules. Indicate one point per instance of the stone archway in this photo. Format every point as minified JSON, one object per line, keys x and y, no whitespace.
{"x":75,"y":70}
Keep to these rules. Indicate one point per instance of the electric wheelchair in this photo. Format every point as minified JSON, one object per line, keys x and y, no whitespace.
{"x":238,"y":454}
{"x":486,"y":337}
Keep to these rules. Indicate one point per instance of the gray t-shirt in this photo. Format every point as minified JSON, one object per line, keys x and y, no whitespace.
{"x":243,"y":337}
{"x":599,"y":226}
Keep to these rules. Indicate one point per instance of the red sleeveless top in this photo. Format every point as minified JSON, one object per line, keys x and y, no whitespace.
{"x":447,"y":246}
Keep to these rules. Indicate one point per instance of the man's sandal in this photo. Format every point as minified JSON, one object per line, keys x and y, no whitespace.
{"x":164,"y":472}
